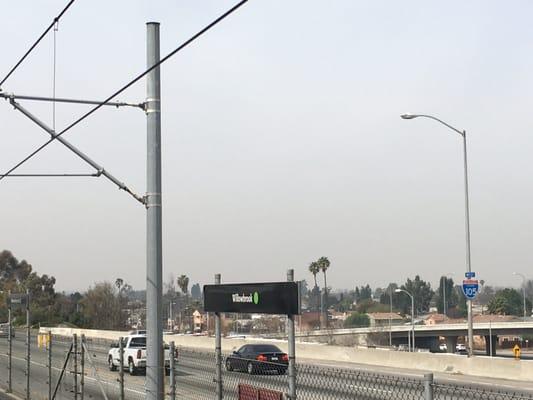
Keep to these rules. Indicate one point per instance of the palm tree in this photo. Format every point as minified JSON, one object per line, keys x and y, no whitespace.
{"x":183,"y":283}
{"x":118,"y":283}
{"x":314,"y":269}
{"x":323,"y":264}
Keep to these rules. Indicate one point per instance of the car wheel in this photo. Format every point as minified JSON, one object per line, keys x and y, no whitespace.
{"x":229,"y":367}
{"x":131,"y":367}
{"x":112,"y":366}
{"x":250,"y":368}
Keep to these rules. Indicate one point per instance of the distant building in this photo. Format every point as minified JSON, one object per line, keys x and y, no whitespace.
{"x":384,"y":319}
{"x":435,"y":319}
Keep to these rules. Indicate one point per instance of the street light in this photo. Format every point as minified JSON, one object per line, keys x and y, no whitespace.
{"x":412,"y":316}
{"x":467,"y":218}
{"x":523,"y":290}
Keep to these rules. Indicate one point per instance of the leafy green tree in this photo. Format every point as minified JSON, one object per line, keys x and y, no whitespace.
{"x":196,"y":292}
{"x":422,"y":295}
{"x":508,"y":302}
{"x":446,"y":290}
{"x":102,"y":308}
{"x":357,"y":320}
{"x":365,"y":292}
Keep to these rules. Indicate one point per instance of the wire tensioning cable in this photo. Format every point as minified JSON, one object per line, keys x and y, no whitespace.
{"x":137,"y":78}
{"x":56,"y":19}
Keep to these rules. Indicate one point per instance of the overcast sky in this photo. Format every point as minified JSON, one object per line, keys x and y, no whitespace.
{"x":282,"y":140}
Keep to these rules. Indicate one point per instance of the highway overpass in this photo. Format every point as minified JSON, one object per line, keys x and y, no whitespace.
{"x":427,"y":335}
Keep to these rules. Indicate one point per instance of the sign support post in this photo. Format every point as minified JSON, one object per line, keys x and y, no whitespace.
{"x":218,"y":349}
{"x":291,"y":346}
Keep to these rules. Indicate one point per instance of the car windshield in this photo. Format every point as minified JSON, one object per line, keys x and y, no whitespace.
{"x":138,"y":342}
{"x":265,"y":348}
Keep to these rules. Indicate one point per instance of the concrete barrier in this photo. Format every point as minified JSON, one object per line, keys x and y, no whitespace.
{"x":503,"y":368}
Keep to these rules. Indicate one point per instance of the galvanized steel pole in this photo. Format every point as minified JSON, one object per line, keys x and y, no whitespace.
{"x":154,"y":263}
{"x":9,"y":348}
{"x":121,"y":367}
{"x":468,"y":257}
{"x":172,"y":372}
{"x":82,"y":367}
{"x":291,"y":346}
{"x":75,"y":354}
{"x":49,"y":365}
{"x":28,"y":344}
{"x":218,"y":349}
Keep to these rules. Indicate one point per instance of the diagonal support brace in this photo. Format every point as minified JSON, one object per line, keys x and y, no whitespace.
{"x":100,"y":170}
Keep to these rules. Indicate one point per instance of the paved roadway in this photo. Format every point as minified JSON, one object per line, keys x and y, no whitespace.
{"x":196,"y":369}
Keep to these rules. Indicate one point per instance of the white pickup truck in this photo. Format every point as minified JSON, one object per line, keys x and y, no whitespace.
{"x":134,"y":355}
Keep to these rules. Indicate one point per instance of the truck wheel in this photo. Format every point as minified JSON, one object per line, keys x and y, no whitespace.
{"x":131,"y":367}
{"x":112,"y":366}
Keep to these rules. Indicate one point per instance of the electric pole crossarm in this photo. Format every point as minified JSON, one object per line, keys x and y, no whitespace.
{"x":73,"y":101}
{"x":75,"y":150}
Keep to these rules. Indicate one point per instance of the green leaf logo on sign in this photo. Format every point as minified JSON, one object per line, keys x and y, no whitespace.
{"x":256,"y":298}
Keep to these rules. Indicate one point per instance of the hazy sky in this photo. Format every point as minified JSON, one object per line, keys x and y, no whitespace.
{"x":282,"y":140}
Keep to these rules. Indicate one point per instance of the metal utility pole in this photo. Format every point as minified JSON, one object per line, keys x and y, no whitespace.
{"x":154,"y":264}
{"x":49,"y":365}
{"x":75,"y":359}
{"x":467,"y":220}
{"x":121,"y":367}
{"x":28,"y":344}
{"x":218,"y":349}
{"x":172,"y":377}
{"x":9,"y":347}
{"x":468,"y":256}
{"x":291,"y":346}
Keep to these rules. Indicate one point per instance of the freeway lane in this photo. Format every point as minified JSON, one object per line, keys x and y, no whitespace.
{"x":196,"y":370}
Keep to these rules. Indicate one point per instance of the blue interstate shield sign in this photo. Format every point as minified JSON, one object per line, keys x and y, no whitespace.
{"x":470,"y":288}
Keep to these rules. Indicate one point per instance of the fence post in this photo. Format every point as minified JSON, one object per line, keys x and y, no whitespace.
{"x":82,"y":365}
{"x":28,"y":344}
{"x":9,"y":349}
{"x":172,"y":372}
{"x":49,"y":348}
{"x":75,"y":354}
{"x":218,"y":349}
{"x":428,"y":386}
{"x":121,"y":366}
{"x":291,"y":346}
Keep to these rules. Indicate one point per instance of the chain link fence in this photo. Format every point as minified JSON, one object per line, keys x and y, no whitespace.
{"x":77,"y":369}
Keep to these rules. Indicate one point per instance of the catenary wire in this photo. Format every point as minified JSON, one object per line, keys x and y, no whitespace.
{"x":95,"y":174}
{"x":56,"y":19}
{"x":137,"y":78}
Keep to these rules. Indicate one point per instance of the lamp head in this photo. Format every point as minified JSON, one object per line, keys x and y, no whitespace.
{"x":397,"y":290}
{"x":408,"y":116}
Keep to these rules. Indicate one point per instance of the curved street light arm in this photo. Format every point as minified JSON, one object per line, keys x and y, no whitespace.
{"x":462,"y":133}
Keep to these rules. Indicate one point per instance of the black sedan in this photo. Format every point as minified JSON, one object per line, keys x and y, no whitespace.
{"x":258,"y":358}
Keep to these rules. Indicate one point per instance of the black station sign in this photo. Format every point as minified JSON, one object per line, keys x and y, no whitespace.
{"x":17,"y":300}
{"x":260,"y":298}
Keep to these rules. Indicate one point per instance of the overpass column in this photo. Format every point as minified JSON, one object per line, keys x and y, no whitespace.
{"x":451,"y":342}
{"x":491,"y":341}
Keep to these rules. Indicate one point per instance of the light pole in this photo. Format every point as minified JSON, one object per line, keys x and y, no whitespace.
{"x":523,"y":290}
{"x":467,"y":219}
{"x":412,"y":316}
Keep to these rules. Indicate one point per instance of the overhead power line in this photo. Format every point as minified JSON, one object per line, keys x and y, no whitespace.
{"x":56,"y":19}
{"x":123,"y":88}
